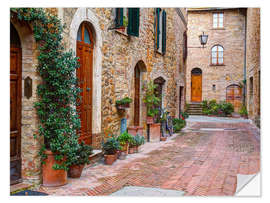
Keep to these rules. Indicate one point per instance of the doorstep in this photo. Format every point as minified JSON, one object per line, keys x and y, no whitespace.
{"x":94,"y":158}
{"x":20,"y":187}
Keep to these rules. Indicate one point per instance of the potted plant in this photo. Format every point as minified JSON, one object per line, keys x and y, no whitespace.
{"x":132,"y":145}
{"x":123,"y":103}
{"x":110,"y":148}
{"x":151,"y":100}
{"x":57,"y":93}
{"x":124,"y":139}
{"x":139,"y":140}
{"x":78,"y":159}
{"x":243,"y":111}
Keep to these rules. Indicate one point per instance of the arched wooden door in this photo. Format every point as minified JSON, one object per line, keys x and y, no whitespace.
{"x":85,"y":77}
{"x":234,"y":96}
{"x":137,"y":96}
{"x":196,"y":85}
{"x":15,"y":105}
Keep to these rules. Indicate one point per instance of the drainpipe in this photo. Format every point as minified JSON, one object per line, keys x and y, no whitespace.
{"x":245,"y":58}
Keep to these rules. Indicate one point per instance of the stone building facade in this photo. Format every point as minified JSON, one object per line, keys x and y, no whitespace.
{"x":227,"y":33}
{"x":116,"y":58}
{"x":253,"y":64}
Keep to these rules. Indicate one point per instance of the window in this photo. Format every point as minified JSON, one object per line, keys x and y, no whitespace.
{"x":217,"y":55}
{"x":185,"y":46}
{"x":160,"y":30}
{"x":127,"y":20}
{"x":217,"y":20}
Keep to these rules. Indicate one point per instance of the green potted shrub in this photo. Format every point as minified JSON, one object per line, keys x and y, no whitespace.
{"x":77,"y":160}
{"x":124,"y":139}
{"x":178,"y":124}
{"x":151,"y":100}
{"x":132,"y":145}
{"x":110,"y":148}
{"x":139,"y":140}
{"x":243,"y":111}
{"x":123,"y":103}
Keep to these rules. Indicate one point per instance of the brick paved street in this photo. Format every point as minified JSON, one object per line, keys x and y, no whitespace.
{"x":203,"y":160}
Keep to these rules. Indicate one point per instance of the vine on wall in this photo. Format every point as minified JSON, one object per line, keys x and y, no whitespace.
{"x":58,"y":92}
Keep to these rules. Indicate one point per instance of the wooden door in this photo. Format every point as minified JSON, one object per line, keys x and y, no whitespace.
{"x":196,"y":88}
{"x":137,"y":96}
{"x":234,"y":96}
{"x":15,"y":114}
{"x":85,"y":75}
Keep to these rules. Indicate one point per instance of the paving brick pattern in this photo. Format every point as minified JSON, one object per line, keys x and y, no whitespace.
{"x":201,"y":163}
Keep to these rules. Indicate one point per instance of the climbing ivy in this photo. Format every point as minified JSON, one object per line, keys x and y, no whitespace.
{"x":58,"y":92}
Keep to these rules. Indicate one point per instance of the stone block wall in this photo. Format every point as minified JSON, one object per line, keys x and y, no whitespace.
{"x":232,"y":38}
{"x":253,"y":63}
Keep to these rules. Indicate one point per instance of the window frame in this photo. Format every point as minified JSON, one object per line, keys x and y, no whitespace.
{"x":218,"y":20}
{"x":217,"y":55}
{"x":159,"y":23}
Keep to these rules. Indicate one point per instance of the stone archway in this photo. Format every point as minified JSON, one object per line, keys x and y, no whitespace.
{"x":30,"y":164}
{"x":86,"y":15}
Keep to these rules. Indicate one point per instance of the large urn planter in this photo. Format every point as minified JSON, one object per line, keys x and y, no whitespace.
{"x":109,"y":158}
{"x":75,"y":171}
{"x":52,"y":177}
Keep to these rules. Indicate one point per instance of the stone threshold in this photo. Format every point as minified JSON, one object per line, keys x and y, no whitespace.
{"x":94,"y":158}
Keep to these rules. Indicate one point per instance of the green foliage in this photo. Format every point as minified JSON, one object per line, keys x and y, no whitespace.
{"x":111,"y":146}
{"x":124,"y":138}
{"x":125,"y":100}
{"x":80,"y":154}
{"x":178,"y":124}
{"x":58,"y":92}
{"x":243,"y":111}
{"x":150,"y":99}
{"x":125,"y":21}
{"x":184,"y":114}
{"x":213,"y":108}
{"x":137,"y":140}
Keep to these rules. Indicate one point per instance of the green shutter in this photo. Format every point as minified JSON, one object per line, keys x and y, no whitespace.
{"x":163,"y":32}
{"x":119,"y":17}
{"x":133,"y":21}
{"x":157,"y":31}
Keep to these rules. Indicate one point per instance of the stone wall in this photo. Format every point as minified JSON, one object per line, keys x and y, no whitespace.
{"x":253,"y":63}
{"x":232,"y":38}
{"x":120,"y":54}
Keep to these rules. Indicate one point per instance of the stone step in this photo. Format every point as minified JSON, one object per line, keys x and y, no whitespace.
{"x":94,"y":158}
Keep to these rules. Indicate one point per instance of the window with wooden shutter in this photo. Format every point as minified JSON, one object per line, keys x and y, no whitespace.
{"x":160,"y":30}
{"x":133,"y":21}
{"x":164,"y":32}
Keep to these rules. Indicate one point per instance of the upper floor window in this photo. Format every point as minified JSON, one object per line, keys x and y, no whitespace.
{"x":128,"y":20}
{"x":217,"y":20}
{"x":217,"y":55}
{"x":160,"y":30}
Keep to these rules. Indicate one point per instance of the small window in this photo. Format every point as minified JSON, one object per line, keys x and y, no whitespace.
{"x":160,"y":30}
{"x":218,"y":20}
{"x":217,"y":55}
{"x":127,"y":20}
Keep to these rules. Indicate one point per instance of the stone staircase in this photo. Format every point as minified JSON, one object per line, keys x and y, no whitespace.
{"x":195,"y":109}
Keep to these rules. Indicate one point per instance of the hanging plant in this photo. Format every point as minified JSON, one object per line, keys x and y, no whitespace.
{"x":58,"y":92}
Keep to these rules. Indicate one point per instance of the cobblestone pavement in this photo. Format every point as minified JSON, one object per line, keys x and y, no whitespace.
{"x":203,"y":160}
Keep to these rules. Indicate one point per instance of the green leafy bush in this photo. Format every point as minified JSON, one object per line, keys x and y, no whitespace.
{"x":80,"y":155}
{"x":178,"y":124}
{"x":124,"y":138}
{"x":150,"y":99}
{"x":213,"y":108}
{"x":111,"y":146}
{"x":243,"y":111}
{"x":139,"y":140}
{"x":184,"y":115}
{"x":125,"y":100}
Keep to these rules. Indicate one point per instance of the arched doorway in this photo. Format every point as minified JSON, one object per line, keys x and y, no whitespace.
{"x":15,"y":105}
{"x":234,"y":96}
{"x":159,"y":82}
{"x":84,"y":73}
{"x":196,"y":85}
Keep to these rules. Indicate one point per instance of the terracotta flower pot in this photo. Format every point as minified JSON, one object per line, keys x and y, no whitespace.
{"x":125,"y":148}
{"x":149,"y":120}
{"x":51,"y":177}
{"x":75,"y":171}
{"x":109,"y":159}
{"x":163,"y":138}
{"x":132,"y":150}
